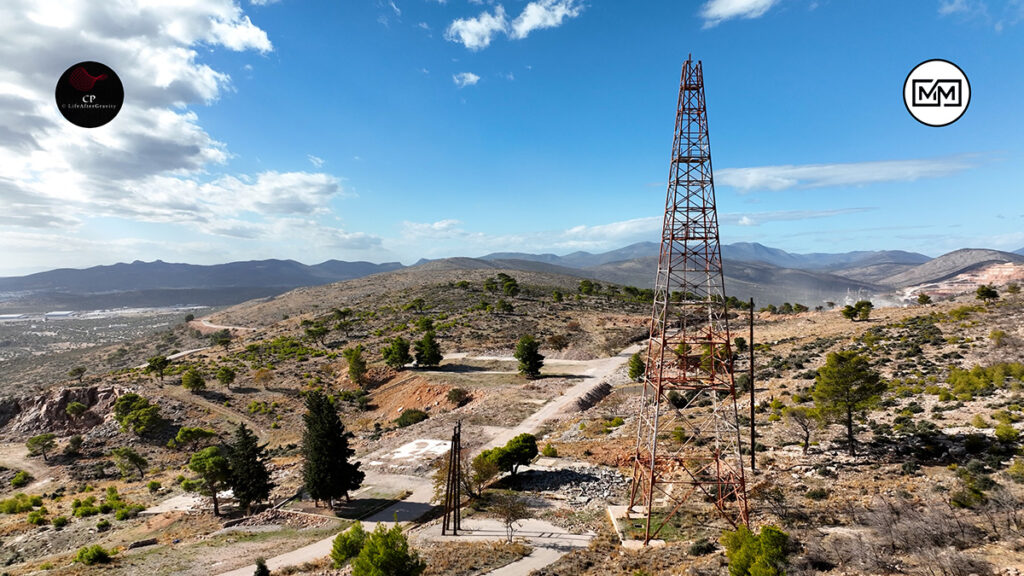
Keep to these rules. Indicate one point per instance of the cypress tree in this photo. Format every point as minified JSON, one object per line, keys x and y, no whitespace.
{"x":326,"y":472}
{"x":250,"y":479}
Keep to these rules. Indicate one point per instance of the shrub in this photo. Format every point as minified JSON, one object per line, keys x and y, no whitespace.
{"x":37,"y":517}
{"x":1007,"y":433}
{"x":386,"y":551}
{"x":702,"y":547}
{"x":1016,"y":471}
{"x":458,"y":396}
{"x":20,"y":479}
{"x":817,"y":494}
{"x":347,"y":544}
{"x":94,"y":554}
{"x":153,"y":486}
{"x":410,"y":416}
{"x":16,"y":504}
{"x":60,"y":521}
{"x":549,"y":451}
{"x":103,"y":525}
{"x":763,"y":554}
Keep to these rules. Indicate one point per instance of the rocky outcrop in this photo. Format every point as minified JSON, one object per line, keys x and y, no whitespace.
{"x":27,"y":416}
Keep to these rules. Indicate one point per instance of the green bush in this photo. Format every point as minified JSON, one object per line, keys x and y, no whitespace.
{"x":60,"y":521}
{"x":20,"y":479}
{"x":549,"y":451}
{"x":347,"y":544}
{"x":94,"y":554}
{"x":1007,"y":433}
{"x":37,"y":517}
{"x":103,"y":525}
{"x":410,"y":416}
{"x":756,"y":555}
{"x":458,"y":396}
{"x":153,"y":486}
{"x":386,"y":552}
{"x":1016,"y":470}
{"x":817,"y":494}
{"x":16,"y":504}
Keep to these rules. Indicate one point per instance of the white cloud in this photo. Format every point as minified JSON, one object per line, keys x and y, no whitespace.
{"x":757,"y":218}
{"x":153,"y":162}
{"x":477,"y":33}
{"x":463,"y":79}
{"x":848,"y":174}
{"x":395,"y":8}
{"x":543,"y":14}
{"x":947,"y":7}
{"x":263,"y":2}
{"x":716,"y":11}
{"x":315,"y":160}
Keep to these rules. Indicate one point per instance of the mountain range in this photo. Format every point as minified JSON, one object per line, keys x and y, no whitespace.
{"x":769,"y":275}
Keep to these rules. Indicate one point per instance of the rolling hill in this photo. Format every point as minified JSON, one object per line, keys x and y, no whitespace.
{"x":950,"y":265}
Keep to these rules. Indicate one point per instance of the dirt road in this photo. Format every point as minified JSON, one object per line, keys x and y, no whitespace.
{"x":408,"y":510}
{"x":15,"y":457}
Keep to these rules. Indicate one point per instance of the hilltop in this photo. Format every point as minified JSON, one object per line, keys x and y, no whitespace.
{"x":932,"y":439}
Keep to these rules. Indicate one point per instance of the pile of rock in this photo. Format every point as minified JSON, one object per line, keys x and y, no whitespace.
{"x":288,"y":519}
{"x":580,"y":485}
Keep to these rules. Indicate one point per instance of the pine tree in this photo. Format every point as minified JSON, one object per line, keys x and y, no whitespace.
{"x":846,"y":387}
{"x":396,"y":354}
{"x":327,"y":472}
{"x":636,"y":367}
{"x":250,"y":479}
{"x":529,"y":356}
{"x":428,"y":351}
{"x":213,"y":470}
{"x":261,"y":568}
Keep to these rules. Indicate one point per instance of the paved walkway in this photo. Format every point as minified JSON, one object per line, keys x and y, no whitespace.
{"x":551,"y":542}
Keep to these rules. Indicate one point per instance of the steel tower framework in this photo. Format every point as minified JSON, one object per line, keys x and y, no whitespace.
{"x":687,"y":467}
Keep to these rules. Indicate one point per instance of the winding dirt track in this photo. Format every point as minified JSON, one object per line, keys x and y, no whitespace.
{"x":15,"y":457}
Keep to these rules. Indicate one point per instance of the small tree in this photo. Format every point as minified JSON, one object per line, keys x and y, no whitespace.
{"x":859,"y":311}
{"x":193,"y":381}
{"x":586,"y":287}
{"x":458,"y":396}
{"x":386,"y":553}
{"x":557,"y":296}
{"x":41,"y":444}
{"x":924,"y":299}
{"x":316,"y":331}
{"x":226,"y":375}
{"x":519,"y":451}
{"x":428,"y":351}
{"x":510,"y":509}
{"x":78,"y":372}
{"x":740,"y":343}
{"x":348,"y":544}
{"x":636,"y":367}
{"x":189,"y":437}
{"x":846,"y":387}
{"x":75,"y":409}
{"x":213,"y":470}
{"x":803,"y":419}
{"x":356,"y":363}
{"x":261,"y":568}
{"x":529,"y":356}
{"x":396,"y":353}
{"x":74,"y":446}
{"x":250,"y":480}
{"x":135,"y":413}
{"x":987,"y":294}
{"x":129,"y":461}
{"x":221,"y":338}
{"x":157,"y":364}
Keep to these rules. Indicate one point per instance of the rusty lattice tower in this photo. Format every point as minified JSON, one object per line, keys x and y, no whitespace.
{"x":687,"y":469}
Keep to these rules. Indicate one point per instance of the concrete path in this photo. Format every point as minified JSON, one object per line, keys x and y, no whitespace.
{"x":406,"y":511}
{"x":551,"y":542}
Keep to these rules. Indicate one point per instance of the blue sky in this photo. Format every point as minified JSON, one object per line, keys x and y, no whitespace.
{"x":394,"y":130}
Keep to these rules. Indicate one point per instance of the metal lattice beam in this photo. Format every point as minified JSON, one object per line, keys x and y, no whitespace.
{"x":688,"y":438}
